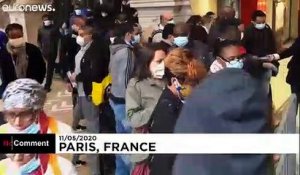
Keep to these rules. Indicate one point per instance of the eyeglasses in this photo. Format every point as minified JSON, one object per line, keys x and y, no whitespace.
{"x":24,"y":115}
{"x":229,"y":60}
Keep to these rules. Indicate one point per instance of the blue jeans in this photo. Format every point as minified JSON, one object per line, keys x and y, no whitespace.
{"x":123,"y":164}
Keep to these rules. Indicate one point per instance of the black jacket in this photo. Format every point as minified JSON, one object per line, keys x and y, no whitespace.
{"x":36,"y":65}
{"x":7,"y":69}
{"x":164,"y":118}
{"x":94,"y":65}
{"x":198,"y":33}
{"x":69,"y":49}
{"x":230,"y":101}
{"x":293,"y":77}
{"x":48,"y":38}
{"x":259,"y":42}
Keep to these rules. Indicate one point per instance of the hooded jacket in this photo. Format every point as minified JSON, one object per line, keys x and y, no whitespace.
{"x":121,"y":67}
{"x":240,"y":105}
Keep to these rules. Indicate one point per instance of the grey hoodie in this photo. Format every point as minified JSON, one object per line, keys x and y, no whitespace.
{"x":120,"y":68}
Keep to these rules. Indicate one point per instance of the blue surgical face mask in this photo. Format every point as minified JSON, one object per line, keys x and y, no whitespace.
{"x":31,"y":166}
{"x":34,"y":128}
{"x":181,"y":41}
{"x":235,"y":64}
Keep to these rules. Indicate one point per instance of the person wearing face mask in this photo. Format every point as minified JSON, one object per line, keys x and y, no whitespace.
{"x":144,"y":89}
{"x":183,"y":73}
{"x":27,"y":58}
{"x":36,"y":164}
{"x":165,"y":18}
{"x":48,"y":37}
{"x":137,"y":34}
{"x":259,"y":39}
{"x":23,"y":103}
{"x":182,"y":40}
{"x":227,"y":54}
{"x":69,"y":49}
{"x":91,"y":66}
{"x":168,"y":37}
{"x":121,"y":68}
{"x":148,"y":79}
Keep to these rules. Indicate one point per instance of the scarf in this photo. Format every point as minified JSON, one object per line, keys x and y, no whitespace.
{"x":20,"y":60}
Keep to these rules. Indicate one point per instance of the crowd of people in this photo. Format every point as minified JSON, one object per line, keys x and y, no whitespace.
{"x":210,"y":74}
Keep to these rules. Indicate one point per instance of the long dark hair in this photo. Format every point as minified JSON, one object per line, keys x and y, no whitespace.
{"x":144,"y":55}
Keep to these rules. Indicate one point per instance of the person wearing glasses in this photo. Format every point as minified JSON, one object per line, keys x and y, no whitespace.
{"x":227,"y":54}
{"x":23,"y":103}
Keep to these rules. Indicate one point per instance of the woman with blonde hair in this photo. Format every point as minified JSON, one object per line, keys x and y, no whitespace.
{"x":183,"y":73}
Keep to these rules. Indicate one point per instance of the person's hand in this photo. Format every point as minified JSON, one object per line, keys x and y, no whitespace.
{"x":270,"y":66}
{"x":272,"y":57}
{"x":216,"y":66}
{"x":73,"y":77}
{"x":69,"y":87}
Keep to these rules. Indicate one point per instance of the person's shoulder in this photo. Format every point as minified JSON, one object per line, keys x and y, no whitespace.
{"x":4,"y":162}
{"x":3,"y":128}
{"x":31,"y":47}
{"x":62,"y":128}
{"x":133,"y":82}
{"x":249,"y":29}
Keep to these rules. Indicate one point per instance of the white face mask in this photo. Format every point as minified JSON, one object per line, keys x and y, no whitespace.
{"x":17,"y":42}
{"x":78,"y":12}
{"x":112,"y":39}
{"x":159,"y":71}
{"x":171,"y":22}
{"x":80,"y":41}
{"x":260,"y":26}
{"x":47,"y":23}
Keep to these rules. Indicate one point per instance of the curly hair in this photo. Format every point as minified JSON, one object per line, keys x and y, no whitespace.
{"x":181,"y":63}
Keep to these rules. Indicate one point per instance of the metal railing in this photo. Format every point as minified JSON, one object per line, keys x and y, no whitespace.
{"x":287,"y":114}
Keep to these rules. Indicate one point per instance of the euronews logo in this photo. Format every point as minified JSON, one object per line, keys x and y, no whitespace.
{"x":28,"y":8}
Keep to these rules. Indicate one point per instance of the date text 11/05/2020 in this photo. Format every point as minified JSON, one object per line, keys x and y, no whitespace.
{"x":107,"y":147}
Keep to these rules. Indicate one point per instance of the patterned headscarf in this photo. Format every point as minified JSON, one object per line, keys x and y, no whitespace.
{"x":24,"y":93}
